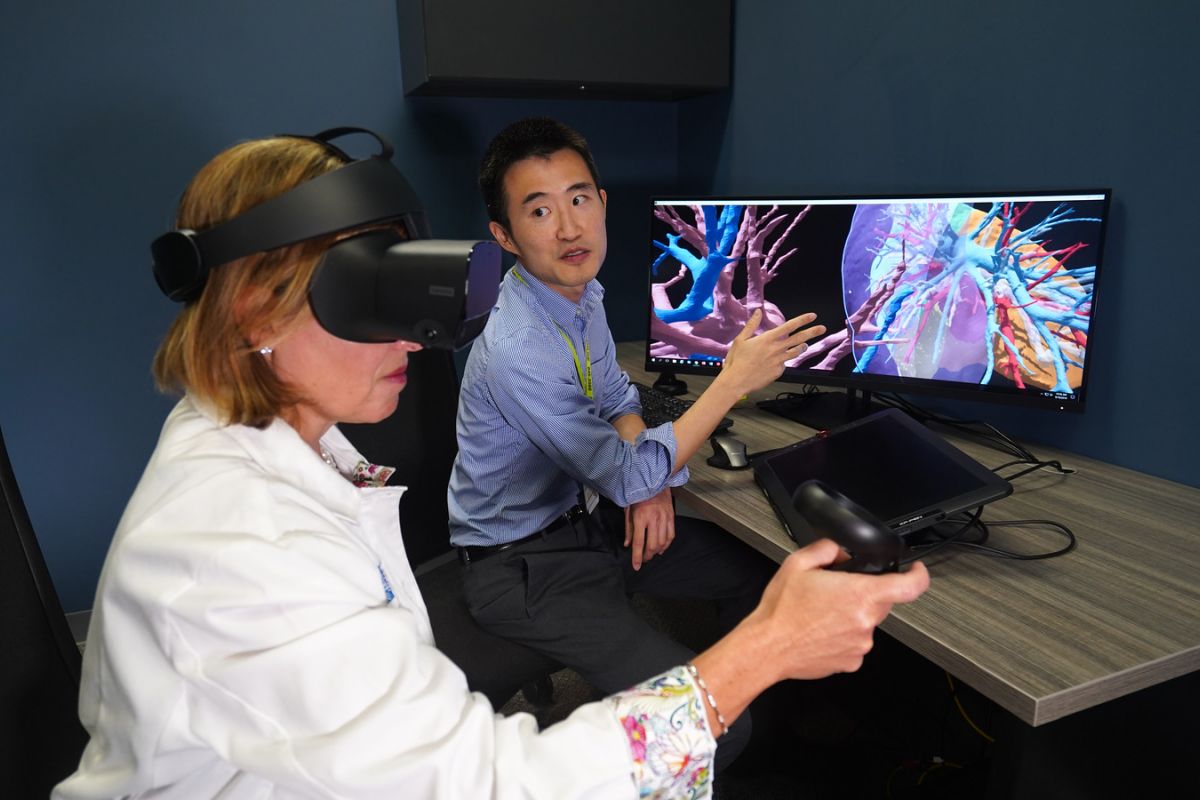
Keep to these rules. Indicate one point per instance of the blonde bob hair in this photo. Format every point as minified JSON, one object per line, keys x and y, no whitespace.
{"x":211,"y":349}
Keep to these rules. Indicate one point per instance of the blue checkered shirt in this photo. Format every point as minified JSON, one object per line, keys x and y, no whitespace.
{"x":528,"y":436}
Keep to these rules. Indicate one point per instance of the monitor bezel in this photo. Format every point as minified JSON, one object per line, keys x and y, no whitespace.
{"x":887,"y":383}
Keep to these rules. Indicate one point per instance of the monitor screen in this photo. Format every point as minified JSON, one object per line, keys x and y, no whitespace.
{"x":987,"y":296}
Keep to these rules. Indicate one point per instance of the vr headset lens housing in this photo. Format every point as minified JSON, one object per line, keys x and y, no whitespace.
{"x":376,"y":287}
{"x":372,"y":287}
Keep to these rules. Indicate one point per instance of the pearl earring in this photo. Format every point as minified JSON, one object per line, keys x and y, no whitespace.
{"x":265,"y":351}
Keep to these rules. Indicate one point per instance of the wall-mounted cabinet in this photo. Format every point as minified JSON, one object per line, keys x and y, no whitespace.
{"x":618,"y":49}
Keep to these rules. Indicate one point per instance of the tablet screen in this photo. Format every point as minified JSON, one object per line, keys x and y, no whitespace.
{"x":894,"y":467}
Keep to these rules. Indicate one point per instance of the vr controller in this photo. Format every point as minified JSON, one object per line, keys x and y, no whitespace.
{"x":375,"y":286}
{"x":872,"y":545}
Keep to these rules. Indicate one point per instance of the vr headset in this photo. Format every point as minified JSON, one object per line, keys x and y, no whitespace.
{"x":370,"y":287}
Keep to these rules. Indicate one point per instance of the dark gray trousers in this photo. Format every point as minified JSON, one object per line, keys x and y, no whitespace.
{"x":566,"y":594}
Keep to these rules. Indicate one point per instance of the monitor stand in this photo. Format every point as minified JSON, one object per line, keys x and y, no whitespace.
{"x":824,"y":410}
{"x":667,"y":383}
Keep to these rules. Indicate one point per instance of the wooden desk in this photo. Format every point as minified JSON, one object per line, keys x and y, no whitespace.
{"x":1043,"y":639}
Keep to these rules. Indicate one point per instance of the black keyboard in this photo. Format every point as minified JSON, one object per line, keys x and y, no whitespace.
{"x":659,"y":407}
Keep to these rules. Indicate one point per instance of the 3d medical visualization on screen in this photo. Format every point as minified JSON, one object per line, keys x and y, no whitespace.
{"x":991,"y":291}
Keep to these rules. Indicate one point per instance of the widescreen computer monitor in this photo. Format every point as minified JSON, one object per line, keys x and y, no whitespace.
{"x":984,"y":296}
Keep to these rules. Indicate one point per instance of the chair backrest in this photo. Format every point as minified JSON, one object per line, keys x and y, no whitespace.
{"x":419,"y":441}
{"x":41,"y":738}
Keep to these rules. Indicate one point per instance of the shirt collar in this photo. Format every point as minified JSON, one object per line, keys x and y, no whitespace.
{"x":560,"y":309}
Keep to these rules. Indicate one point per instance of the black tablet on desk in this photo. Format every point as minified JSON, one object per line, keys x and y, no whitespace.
{"x":887,"y":462}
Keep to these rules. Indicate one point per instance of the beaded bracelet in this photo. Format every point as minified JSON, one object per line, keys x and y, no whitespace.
{"x":712,"y":701}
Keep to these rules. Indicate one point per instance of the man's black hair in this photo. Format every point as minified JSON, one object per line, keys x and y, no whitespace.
{"x":539,"y":137}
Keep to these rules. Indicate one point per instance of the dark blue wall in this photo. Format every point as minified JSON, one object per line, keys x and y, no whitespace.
{"x":872,"y":96}
{"x":109,"y":109}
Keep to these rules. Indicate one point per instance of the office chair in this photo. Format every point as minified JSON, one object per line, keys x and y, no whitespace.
{"x":41,"y":737}
{"x":419,"y":441}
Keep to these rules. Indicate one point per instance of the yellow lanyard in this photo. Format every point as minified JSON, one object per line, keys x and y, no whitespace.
{"x":585,"y":377}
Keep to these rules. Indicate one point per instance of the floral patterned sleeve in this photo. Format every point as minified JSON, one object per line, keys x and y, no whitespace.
{"x":669,"y":738}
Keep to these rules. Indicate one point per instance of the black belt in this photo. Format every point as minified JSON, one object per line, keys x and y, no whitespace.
{"x":469,"y":553}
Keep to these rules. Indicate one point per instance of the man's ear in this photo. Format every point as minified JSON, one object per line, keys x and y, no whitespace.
{"x":604,"y":198}
{"x":503,"y":238}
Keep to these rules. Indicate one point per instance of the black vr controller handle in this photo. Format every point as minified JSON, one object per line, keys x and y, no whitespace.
{"x":872,"y":545}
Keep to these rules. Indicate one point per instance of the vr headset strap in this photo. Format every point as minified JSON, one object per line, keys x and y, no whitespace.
{"x":360,"y":193}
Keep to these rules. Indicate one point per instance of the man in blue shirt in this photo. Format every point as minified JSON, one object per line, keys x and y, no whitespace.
{"x":548,"y":423}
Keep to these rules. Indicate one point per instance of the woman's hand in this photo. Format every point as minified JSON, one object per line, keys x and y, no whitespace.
{"x":821,"y":622}
{"x":810,"y":623}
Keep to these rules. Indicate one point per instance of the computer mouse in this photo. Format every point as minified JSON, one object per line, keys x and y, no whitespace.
{"x":728,"y":453}
{"x":872,"y":545}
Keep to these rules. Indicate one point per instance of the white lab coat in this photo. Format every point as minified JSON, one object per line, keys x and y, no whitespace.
{"x":242,"y":646}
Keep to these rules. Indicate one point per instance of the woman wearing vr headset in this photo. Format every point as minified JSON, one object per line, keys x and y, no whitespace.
{"x":257,"y":630}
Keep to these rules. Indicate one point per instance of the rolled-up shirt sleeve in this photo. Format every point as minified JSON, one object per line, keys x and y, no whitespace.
{"x":619,"y":398}
{"x":665,"y":436}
